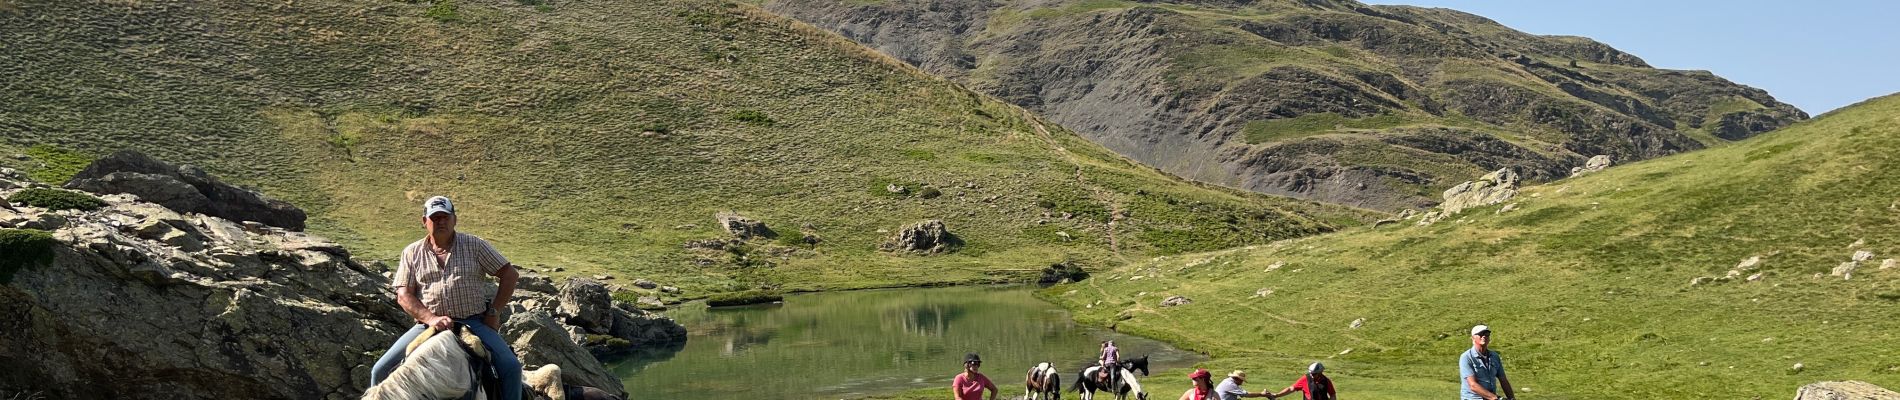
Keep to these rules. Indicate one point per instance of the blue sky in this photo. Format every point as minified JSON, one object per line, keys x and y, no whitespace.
{"x":1817,"y":55}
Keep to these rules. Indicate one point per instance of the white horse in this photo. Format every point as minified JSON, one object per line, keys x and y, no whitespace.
{"x":1043,"y":383}
{"x":436,"y":369}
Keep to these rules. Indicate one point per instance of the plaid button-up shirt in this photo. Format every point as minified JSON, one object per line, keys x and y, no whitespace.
{"x":455,"y":289}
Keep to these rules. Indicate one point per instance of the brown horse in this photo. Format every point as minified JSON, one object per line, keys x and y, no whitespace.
{"x":1043,"y":383}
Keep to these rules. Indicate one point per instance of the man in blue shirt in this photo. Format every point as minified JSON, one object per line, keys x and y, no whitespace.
{"x":1480,"y":370}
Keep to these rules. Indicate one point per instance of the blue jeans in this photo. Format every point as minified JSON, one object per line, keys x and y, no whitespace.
{"x":507,"y":367}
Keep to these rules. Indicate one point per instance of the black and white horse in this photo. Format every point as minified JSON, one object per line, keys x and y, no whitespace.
{"x":1043,"y":383}
{"x":1120,"y":384}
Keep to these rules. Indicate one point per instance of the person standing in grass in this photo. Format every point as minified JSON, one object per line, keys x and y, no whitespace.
{"x":439,"y":283}
{"x":1203,"y":387}
{"x":1229,"y":389}
{"x":1481,"y":371}
{"x":1312,"y":386}
{"x":970,"y":384}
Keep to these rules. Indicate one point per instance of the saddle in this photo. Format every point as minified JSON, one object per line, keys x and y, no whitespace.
{"x":1108,"y":374}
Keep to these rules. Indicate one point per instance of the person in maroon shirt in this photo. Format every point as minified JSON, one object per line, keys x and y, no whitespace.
{"x":970,"y":384}
{"x":1313,"y":386}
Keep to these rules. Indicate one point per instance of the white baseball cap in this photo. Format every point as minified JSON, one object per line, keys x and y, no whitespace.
{"x":1480,"y":329}
{"x":437,"y":204}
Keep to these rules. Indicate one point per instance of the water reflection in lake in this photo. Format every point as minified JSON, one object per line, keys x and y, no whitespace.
{"x":850,"y":344}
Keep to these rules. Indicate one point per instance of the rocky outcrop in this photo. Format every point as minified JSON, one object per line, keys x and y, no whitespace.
{"x":141,"y":301}
{"x":273,"y":315}
{"x":577,"y":324}
{"x":741,"y":227}
{"x":927,"y":237}
{"x":1184,"y":89}
{"x":1492,"y":188}
{"x":1844,"y":390}
{"x":184,"y":188}
{"x":588,"y":305}
{"x":1595,"y":164}
{"x":1062,"y":272}
{"x":542,"y":340}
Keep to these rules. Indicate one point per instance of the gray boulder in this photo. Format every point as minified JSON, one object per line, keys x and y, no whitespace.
{"x":927,"y":237}
{"x":1598,"y":163}
{"x":645,"y":329}
{"x":587,"y":304}
{"x":1844,"y":390}
{"x":540,"y":340}
{"x":183,"y":188}
{"x":1492,"y":188}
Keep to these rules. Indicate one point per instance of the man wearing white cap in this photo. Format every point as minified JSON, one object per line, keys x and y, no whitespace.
{"x":1229,"y":389}
{"x":439,"y":282}
{"x":1481,"y":371}
{"x":1312,"y":386}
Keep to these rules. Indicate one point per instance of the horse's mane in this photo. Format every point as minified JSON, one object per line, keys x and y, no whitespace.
{"x":436,"y":369}
{"x":1129,"y":378}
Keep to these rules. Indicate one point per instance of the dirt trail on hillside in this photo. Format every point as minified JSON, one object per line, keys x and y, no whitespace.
{"x":1100,"y":194}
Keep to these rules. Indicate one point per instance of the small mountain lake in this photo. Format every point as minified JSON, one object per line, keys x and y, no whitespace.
{"x":858,"y":343}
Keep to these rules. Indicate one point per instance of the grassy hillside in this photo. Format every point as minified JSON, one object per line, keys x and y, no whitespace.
{"x":599,"y":137}
{"x":1374,"y":106}
{"x":1587,"y":282}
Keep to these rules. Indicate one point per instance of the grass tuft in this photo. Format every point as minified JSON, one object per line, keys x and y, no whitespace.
{"x":23,"y":248}
{"x":57,"y":199}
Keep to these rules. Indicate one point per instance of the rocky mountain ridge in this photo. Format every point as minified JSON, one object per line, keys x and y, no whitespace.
{"x":137,"y":300}
{"x":601,"y":134}
{"x":1363,"y":105}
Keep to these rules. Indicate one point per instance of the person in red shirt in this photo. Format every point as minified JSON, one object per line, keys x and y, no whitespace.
{"x":1314,"y":385}
{"x":970,"y":384}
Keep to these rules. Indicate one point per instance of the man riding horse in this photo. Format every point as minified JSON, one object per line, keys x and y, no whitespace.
{"x":439,"y":283}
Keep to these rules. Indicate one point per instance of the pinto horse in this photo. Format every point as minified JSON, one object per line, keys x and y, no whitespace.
{"x":1087,"y":386}
{"x":1043,"y":383}
{"x":1120,"y":382}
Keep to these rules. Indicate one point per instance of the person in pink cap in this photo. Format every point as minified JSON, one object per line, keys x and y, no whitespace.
{"x":1203,"y":386}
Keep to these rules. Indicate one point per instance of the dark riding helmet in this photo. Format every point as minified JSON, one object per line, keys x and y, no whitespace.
{"x":972,"y":358}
